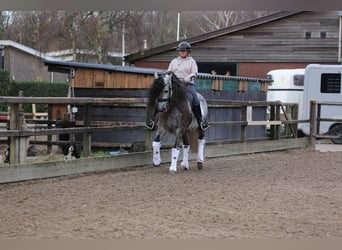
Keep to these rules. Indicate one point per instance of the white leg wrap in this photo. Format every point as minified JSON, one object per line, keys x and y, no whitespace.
{"x":200,"y":153}
{"x":156,"y":153}
{"x":174,"y":159}
{"x":185,"y":161}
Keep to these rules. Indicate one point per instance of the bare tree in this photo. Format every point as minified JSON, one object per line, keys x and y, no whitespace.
{"x":101,"y":31}
{"x":156,"y":27}
{"x":214,"y":20}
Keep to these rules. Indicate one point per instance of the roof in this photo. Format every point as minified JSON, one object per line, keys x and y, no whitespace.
{"x":64,"y":67}
{"x":62,"y":55}
{"x":67,"y":54}
{"x":26,"y":49}
{"x":210,"y":35}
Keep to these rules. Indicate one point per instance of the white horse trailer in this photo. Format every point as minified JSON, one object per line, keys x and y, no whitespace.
{"x":323,"y":83}
{"x":287,"y":86}
{"x":315,"y":82}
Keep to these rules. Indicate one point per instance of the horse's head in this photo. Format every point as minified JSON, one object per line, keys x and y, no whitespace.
{"x":163,"y":82}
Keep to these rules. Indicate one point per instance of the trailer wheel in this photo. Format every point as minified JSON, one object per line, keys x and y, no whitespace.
{"x":336,"y":130}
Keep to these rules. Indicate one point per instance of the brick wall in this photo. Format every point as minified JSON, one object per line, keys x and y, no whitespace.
{"x":260,"y":70}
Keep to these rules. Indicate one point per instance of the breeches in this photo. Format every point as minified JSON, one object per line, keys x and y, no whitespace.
{"x":193,"y":93}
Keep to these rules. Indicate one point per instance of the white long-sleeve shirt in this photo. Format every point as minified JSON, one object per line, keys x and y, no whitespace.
{"x":184,"y":68}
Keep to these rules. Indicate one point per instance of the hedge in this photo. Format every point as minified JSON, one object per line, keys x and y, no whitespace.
{"x":30,"y":89}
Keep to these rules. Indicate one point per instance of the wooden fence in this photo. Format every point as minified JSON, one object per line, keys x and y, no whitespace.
{"x":316,"y":118}
{"x":280,"y":115}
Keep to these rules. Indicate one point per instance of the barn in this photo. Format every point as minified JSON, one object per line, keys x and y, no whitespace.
{"x":285,"y":39}
{"x":25,"y":63}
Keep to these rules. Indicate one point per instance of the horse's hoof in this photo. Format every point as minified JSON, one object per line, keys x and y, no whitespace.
{"x":172,"y":171}
{"x":186,"y":167}
{"x":155,"y":165}
{"x":200,"y":165}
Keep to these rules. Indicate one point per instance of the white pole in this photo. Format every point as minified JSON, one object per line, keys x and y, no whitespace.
{"x":123,"y":43}
{"x":178,"y":24}
{"x":340,"y":42}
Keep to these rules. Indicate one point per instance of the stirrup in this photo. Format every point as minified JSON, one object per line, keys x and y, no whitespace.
{"x":204,"y":126}
{"x":149,"y":125}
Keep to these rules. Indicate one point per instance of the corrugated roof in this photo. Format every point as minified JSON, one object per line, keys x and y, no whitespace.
{"x":66,"y":66}
{"x":210,"y":35}
{"x":61,"y":65}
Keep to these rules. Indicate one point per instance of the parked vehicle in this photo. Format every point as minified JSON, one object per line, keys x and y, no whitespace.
{"x":287,"y":85}
{"x":320,"y":83}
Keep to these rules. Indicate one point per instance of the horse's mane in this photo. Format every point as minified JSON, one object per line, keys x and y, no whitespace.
{"x":154,"y":91}
{"x":178,"y":89}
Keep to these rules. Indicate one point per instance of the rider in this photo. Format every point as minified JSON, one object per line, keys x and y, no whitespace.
{"x":185,"y":68}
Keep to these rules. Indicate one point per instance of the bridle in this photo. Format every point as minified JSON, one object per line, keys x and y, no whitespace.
{"x":169,"y":84}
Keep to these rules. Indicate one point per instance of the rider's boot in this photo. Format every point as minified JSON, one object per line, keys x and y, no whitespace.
{"x":203,"y":125}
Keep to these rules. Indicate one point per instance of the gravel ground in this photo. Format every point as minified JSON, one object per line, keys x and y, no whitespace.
{"x":292,"y":194}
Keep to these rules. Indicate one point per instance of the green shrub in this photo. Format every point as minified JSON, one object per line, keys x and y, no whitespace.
{"x":30,"y":89}
{"x":38,"y":89}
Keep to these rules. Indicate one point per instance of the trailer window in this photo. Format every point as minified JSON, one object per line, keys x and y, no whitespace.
{"x":298,"y":80}
{"x":330,"y":83}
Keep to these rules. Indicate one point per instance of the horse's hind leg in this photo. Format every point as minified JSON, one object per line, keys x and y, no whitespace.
{"x":185,"y":160}
{"x":200,"y":153}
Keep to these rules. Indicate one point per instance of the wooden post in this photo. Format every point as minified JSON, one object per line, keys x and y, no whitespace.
{"x":87,"y":136}
{"x":49,"y":137}
{"x":295,"y":117}
{"x":277,"y":118}
{"x":14,"y":125}
{"x":243,"y":133}
{"x":313,"y":112}
{"x":318,"y":118}
{"x":148,"y":140}
{"x":18,"y":145}
{"x":272,"y":118}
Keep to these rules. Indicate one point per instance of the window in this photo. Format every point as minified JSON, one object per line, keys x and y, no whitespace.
{"x":323,"y":34}
{"x":221,"y":68}
{"x":331,"y":83}
{"x":298,"y":80}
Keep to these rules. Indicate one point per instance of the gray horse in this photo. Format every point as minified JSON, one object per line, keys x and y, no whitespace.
{"x":169,"y":104}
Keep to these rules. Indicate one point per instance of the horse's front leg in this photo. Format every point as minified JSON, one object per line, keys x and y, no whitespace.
{"x":174,"y":156}
{"x":186,"y":150}
{"x":156,"y":145}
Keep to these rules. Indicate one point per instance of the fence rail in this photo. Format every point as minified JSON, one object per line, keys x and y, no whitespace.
{"x":18,"y":134}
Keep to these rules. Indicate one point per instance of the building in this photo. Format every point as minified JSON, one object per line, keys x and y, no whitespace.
{"x":286,"y":39}
{"x":25,"y":63}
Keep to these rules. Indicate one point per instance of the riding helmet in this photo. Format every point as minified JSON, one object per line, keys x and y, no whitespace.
{"x":184,"y":46}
